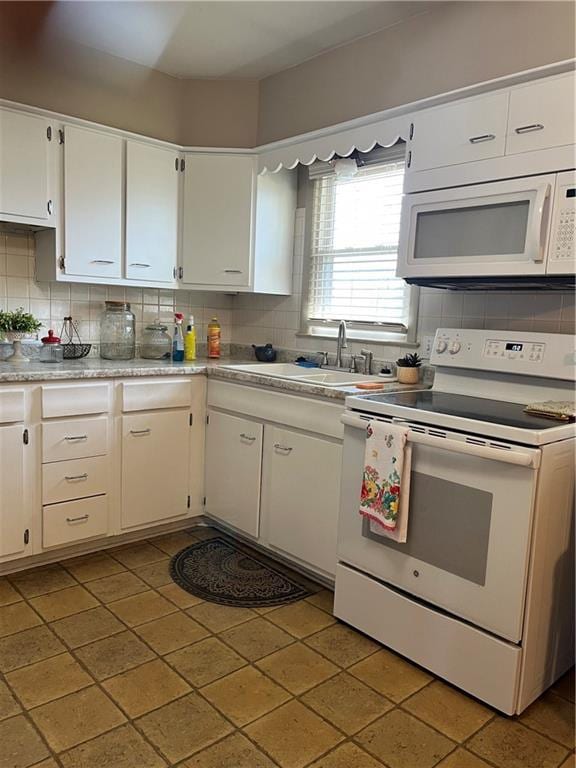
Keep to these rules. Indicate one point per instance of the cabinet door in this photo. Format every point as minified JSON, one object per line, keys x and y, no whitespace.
{"x":13,"y":499}
{"x":155,"y":466}
{"x":151,"y":212}
{"x":233,"y":468}
{"x":93,"y":209}
{"x":24,"y":148}
{"x":469,"y":130}
{"x":541,"y":115}
{"x":218,"y":220}
{"x":301,"y":492}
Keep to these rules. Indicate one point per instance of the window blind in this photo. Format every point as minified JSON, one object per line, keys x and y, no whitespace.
{"x":354,"y":248}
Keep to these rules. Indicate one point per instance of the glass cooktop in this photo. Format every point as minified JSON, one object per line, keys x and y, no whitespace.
{"x":465,"y":407}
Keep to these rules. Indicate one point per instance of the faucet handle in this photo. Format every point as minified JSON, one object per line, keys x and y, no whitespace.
{"x":323,"y":358}
{"x":368,"y":356}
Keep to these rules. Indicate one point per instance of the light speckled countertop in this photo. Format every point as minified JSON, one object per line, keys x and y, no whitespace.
{"x":94,"y":368}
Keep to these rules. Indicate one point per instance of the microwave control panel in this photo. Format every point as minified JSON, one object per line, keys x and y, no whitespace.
{"x":562,"y":253}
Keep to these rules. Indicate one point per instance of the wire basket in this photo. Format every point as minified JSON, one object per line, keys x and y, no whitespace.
{"x":76,"y":351}
{"x":72,"y":346}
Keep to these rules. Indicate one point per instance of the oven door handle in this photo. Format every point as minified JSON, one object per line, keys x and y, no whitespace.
{"x":520,"y":459}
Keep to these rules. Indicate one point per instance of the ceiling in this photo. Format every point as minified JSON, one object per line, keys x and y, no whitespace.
{"x":221,"y":39}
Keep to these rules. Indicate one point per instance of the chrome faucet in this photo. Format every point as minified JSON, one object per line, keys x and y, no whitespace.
{"x":341,"y":343}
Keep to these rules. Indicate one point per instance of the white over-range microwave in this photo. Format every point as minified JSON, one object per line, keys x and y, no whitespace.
{"x":514,"y":233}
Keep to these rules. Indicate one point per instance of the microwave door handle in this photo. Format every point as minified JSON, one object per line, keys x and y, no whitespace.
{"x":540,"y":222}
{"x":531,"y":460}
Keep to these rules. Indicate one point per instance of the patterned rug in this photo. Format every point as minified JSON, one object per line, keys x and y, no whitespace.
{"x":220,"y":571}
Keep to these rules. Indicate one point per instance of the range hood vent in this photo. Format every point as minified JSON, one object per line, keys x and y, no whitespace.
{"x":526,"y":283}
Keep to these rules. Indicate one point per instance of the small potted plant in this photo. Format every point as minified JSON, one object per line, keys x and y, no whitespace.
{"x":408,"y":369}
{"x":15,"y":326}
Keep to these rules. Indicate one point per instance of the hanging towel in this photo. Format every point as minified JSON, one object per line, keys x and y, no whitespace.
{"x":385,"y":494}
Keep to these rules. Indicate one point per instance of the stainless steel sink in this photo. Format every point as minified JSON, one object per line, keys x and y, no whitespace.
{"x":305,"y":375}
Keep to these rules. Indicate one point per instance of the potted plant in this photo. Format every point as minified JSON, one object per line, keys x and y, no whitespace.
{"x":15,"y":326}
{"x":407,"y":369}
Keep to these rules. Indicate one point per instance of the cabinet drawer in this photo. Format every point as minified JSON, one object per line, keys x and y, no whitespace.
{"x":74,"y":400}
{"x":11,"y":406}
{"x":63,"y":440}
{"x":150,"y":396}
{"x":74,"y":521}
{"x":67,"y":480}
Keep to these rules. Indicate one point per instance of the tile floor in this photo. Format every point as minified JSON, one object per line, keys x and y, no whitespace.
{"x":107,"y":664}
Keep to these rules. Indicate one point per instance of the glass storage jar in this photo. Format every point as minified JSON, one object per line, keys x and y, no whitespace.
{"x":156,"y":343}
{"x":51,"y":351}
{"x":117,"y":332}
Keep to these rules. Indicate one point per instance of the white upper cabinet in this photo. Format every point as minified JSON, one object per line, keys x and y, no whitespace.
{"x":24,"y":158}
{"x":474,"y":129}
{"x":93,"y":203}
{"x":152,"y":178}
{"x":542,"y":115}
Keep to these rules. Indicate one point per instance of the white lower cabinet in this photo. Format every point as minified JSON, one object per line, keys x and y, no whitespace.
{"x":155,"y":467}
{"x":300,"y":495}
{"x":233,"y":470}
{"x":74,"y":521}
{"x":14,"y":508}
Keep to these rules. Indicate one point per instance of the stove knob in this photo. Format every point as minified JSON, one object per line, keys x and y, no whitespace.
{"x":441,"y":346}
{"x":455,"y":347}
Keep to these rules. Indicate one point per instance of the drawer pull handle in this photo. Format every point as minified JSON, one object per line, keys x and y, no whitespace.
{"x":483,"y":137}
{"x":76,"y":438}
{"x":282,"y":448}
{"x":76,"y":477}
{"x":77,"y":519}
{"x":140,"y":264}
{"x":233,"y":271}
{"x":102,"y":261}
{"x":529,"y":128}
{"x":140,"y":431}
{"x":248,"y":438}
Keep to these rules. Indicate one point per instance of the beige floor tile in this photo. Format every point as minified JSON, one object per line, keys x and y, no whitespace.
{"x":257,"y":638}
{"x":91,"y":567}
{"x":461,"y":758}
{"x":401,"y":741}
{"x":297,"y":667}
{"x":184,"y":727}
{"x":342,"y":645}
{"x":347,"y":756}
{"x":50,"y":763}
{"x":113,"y":655}
{"x":47,"y":680}
{"x":66,"y":602}
{"x":20,"y":745}
{"x":300,"y":619}
{"x":206,"y":661}
{"x":137,"y":555}
{"x":8,"y":594}
{"x":323,"y":599}
{"x":570,"y":762}
{"x":141,"y":608}
{"x":245,"y":695}
{"x":552,"y":716}
{"x":509,"y":744}
{"x":172,"y":543}
{"x":116,"y":587}
{"x":220,"y":617}
{"x":449,"y":711}
{"x":41,"y":581}
{"x":122,"y":748}
{"x":293,"y":735}
{"x":179,"y":596}
{"x":78,"y":717}
{"x":390,"y":675}
{"x":346,"y":703}
{"x":565,"y":686}
{"x":146,"y":687}
{"x":232,"y":752}
{"x":28,"y":647}
{"x":87,"y":627}
{"x":156,"y":574}
{"x":8,"y":704}
{"x":171,"y":632}
{"x":201,"y":533}
{"x":15,"y":618}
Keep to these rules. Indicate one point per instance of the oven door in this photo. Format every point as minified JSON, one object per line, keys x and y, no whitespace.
{"x":481,"y":230}
{"x":469,"y":527}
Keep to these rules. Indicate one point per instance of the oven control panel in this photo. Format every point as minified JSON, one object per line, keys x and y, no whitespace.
{"x":515,"y":350}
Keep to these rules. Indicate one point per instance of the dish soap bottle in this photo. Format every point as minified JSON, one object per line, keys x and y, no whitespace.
{"x":178,"y":340}
{"x":214,"y":336}
{"x":190,"y":341}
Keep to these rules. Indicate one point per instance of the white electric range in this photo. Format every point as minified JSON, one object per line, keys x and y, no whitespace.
{"x":481,"y":593}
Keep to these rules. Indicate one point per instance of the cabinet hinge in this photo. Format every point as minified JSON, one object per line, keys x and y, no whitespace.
{"x":409,"y":159}
{"x":204,"y":501}
{"x":176,"y":164}
{"x":411,"y":135}
{"x":61,"y":136}
{"x":207,"y":419}
{"x":182,"y":164}
{"x":62,"y":264}
{"x":181,"y":273}
{"x":49,"y":133}
{"x":50,"y":207}
{"x":25,"y":437}
{"x":26,"y":536}
{"x":188,"y":502}
{"x":175,"y":273}
{"x":191,"y":419}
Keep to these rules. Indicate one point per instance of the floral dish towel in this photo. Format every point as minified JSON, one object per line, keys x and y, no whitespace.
{"x":385,"y":492}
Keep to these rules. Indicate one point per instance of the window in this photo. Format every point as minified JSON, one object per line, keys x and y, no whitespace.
{"x":354,"y":230}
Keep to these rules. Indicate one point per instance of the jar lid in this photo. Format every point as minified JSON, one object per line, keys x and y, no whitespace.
{"x":117,"y":305}
{"x":51,"y":339}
